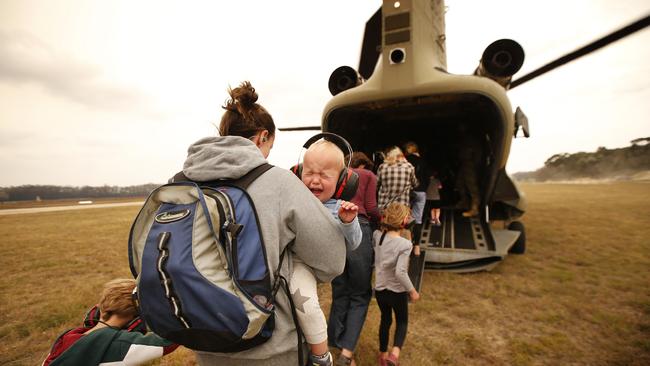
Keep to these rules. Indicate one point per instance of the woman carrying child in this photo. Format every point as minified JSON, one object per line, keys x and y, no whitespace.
{"x":393,"y":288}
{"x":289,"y":214}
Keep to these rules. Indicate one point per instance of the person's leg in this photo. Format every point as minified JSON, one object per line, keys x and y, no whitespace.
{"x":310,"y":316}
{"x":386,"y":320}
{"x":399,"y":302}
{"x":417,"y":233}
{"x":417,"y":206}
{"x":406,"y":234}
{"x":400,"y":306}
{"x":339,"y":308}
{"x":359,"y":271}
{"x":416,"y":250}
{"x":472,"y":189}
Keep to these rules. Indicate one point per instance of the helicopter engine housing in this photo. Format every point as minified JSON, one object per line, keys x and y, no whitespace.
{"x":500,"y":60}
{"x":344,"y":78}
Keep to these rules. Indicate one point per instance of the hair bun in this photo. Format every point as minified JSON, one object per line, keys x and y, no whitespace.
{"x":242,"y":99}
{"x":243,"y":116}
{"x":244,"y":94}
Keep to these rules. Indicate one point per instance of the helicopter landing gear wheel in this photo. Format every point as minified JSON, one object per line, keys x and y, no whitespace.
{"x":519,"y":247}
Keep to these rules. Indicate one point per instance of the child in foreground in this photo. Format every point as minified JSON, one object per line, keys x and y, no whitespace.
{"x":322,"y":165}
{"x":393,"y":288}
{"x":108,"y":341}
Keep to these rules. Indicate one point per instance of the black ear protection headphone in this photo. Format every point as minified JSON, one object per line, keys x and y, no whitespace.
{"x":346,"y":186}
{"x":93,"y":317}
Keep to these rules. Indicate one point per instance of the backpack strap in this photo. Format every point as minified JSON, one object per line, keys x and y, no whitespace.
{"x":280,"y":281}
{"x":247,"y":179}
{"x":179,"y":177}
{"x":242,"y":182}
{"x":294,"y":315}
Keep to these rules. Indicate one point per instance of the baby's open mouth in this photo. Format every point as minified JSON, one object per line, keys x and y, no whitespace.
{"x":316,"y":191}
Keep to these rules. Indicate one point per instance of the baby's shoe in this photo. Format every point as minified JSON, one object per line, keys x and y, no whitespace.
{"x":322,"y":360}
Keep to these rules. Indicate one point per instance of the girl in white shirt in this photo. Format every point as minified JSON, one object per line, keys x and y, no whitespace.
{"x":393,"y":288}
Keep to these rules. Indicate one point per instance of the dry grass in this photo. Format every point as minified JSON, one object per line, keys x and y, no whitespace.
{"x":580,"y":295}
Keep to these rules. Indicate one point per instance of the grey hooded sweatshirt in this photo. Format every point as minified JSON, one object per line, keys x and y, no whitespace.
{"x":289,"y":214}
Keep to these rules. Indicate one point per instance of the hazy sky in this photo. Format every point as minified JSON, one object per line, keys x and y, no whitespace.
{"x":113,"y":92}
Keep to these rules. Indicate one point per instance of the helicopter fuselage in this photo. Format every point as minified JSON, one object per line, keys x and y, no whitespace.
{"x":410,"y":97}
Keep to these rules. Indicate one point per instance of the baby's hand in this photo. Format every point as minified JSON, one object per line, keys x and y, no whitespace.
{"x":348,"y":211}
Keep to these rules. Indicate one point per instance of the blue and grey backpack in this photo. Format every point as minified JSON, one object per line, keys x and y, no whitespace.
{"x":198,"y":256}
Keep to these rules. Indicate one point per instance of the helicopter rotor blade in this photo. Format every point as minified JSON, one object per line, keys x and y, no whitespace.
{"x":370,"y":48}
{"x":591,"y":47}
{"x":303,"y":128}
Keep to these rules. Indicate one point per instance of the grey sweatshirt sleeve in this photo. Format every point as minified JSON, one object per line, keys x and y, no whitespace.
{"x":352,"y":233}
{"x":402,"y":268}
{"x":318,"y":240}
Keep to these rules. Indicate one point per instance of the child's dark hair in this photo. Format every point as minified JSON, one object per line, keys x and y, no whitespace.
{"x":244,"y":117}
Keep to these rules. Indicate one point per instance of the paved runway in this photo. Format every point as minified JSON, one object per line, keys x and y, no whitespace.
{"x":16,"y":211}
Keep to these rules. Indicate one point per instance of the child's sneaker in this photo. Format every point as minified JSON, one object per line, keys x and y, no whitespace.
{"x":382,"y":361}
{"x":392,"y":360}
{"x":323,"y":360}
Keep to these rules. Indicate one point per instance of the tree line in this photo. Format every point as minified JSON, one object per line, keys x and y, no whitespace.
{"x":622,"y":163}
{"x":52,"y":192}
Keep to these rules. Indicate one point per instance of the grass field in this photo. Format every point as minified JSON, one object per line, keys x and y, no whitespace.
{"x":65,"y":202}
{"x":580,"y":295}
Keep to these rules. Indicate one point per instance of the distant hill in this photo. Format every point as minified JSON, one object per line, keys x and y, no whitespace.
{"x":50,"y":192}
{"x":627,"y":163}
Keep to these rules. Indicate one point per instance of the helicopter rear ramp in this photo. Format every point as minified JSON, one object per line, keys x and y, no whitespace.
{"x":463,"y":244}
{"x":460,"y":244}
{"x":416,"y":270}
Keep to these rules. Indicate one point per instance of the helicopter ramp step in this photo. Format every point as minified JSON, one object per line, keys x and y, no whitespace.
{"x":457,"y":232}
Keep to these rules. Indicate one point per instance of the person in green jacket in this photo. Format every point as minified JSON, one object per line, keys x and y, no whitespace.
{"x":111,"y":338}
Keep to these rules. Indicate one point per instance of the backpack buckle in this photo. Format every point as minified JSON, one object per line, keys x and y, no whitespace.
{"x":233,"y":228}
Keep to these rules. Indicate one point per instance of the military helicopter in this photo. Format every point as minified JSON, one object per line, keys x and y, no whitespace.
{"x":402,"y":92}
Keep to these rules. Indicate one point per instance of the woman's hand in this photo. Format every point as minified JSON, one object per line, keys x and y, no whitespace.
{"x":348,"y":211}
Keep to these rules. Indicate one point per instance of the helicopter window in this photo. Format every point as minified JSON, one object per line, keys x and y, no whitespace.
{"x":397,"y":21}
{"x":398,"y":37}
